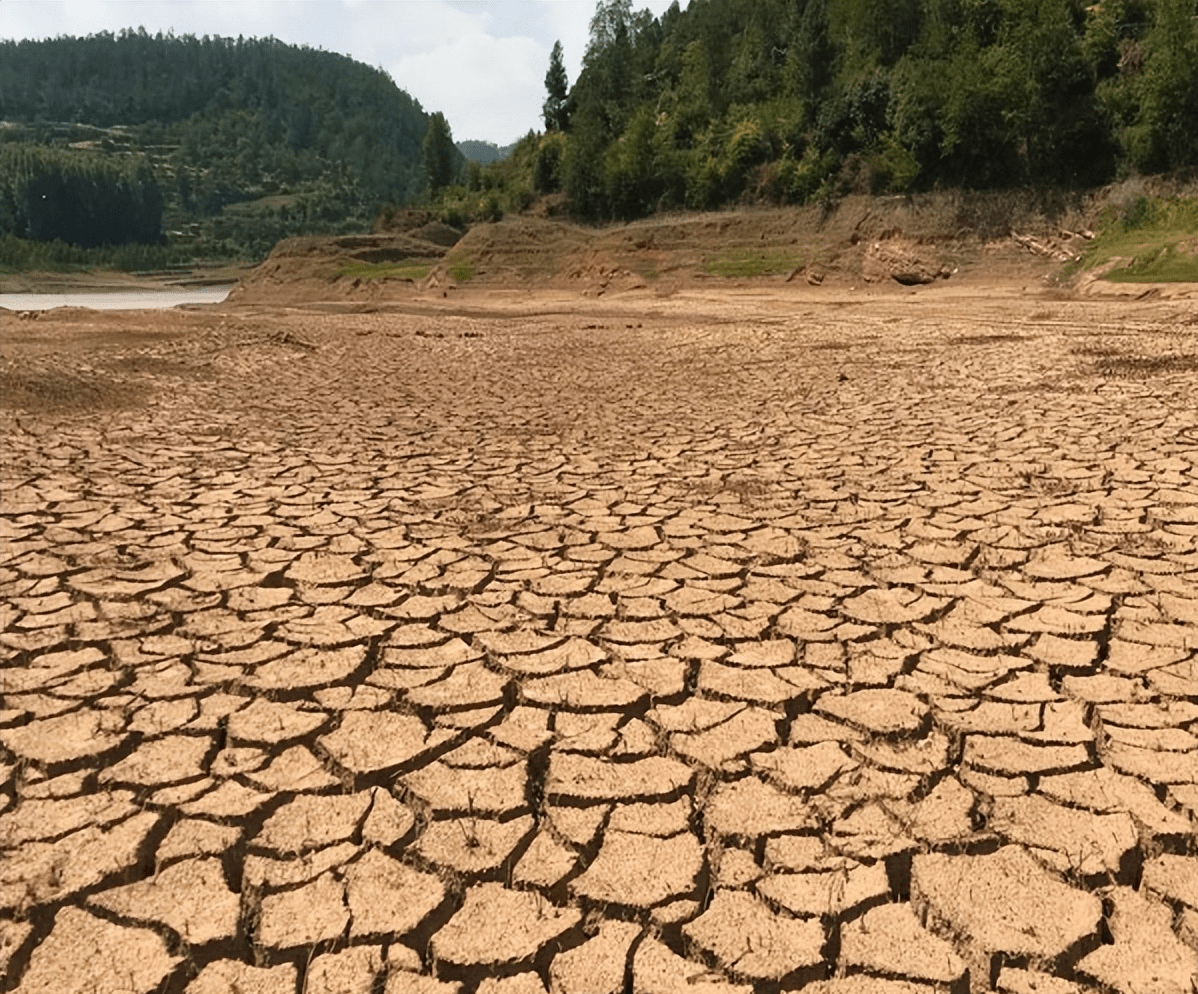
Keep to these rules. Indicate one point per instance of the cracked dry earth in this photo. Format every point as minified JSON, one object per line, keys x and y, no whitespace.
{"x":709,"y":645}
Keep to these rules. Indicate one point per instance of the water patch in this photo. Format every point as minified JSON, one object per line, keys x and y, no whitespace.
{"x":114,"y":299}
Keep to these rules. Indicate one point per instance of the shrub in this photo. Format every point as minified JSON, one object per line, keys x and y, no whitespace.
{"x":547,"y":167}
{"x":492,"y":210}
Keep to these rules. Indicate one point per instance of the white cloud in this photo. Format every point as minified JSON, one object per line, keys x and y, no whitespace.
{"x":481,"y":62}
{"x":488,"y":88}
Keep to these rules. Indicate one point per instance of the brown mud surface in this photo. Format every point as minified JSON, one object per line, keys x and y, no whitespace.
{"x":514,"y":641}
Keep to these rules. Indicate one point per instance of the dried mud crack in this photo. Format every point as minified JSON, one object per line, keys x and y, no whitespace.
{"x":712,"y":644}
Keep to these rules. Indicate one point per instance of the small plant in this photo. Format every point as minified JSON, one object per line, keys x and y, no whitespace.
{"x":492,"y":210}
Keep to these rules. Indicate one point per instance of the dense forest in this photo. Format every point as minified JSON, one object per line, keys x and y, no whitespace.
{"x":86,"y":200}
{"x":484,"y":152}
{"x":797,"y":100}
{"x":245,"y":140}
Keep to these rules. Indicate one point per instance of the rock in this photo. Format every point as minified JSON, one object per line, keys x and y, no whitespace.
{"x":904,"y":261}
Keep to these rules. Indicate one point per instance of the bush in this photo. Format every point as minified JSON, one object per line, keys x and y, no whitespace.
{"x":492,"y":210}
{"x":547,"y":167}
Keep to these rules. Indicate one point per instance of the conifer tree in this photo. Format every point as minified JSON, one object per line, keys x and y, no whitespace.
{"x":557,"y":84}
{"x":440,"y":153}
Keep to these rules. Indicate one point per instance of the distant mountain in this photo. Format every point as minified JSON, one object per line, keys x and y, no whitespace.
{"x":479,"y":151}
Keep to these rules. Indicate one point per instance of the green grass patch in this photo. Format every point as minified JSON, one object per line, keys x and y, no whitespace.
{"x":461,"y":269}
{"x":753,"y":262}
{"x":406,"y":270}
{"x":1159,"y":237}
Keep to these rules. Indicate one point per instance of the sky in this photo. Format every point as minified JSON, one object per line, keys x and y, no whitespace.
{"x":480,"y":62}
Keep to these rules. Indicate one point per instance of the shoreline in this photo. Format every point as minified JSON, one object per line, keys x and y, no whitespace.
{"x":114,"y":281}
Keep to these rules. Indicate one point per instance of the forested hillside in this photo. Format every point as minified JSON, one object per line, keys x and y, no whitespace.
{"x":248,"y":140}
{"x":484,"y":152}
{"x":795,"y":100}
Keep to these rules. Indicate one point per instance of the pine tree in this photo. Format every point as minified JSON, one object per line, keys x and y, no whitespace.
{"x":556,"y":111}
{"x":439,"y":153}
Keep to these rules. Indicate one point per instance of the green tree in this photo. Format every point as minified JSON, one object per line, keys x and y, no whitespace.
{"x":1165,"y":133}
{"x":440,"y":154}
{"x":557,"y":84}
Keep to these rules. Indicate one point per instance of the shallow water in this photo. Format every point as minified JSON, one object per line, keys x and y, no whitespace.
{"x":114,"y":299}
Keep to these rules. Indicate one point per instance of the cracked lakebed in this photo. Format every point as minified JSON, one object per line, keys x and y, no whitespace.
{"x":713,"y":643}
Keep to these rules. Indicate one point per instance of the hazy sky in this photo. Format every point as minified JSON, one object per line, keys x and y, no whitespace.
{"x":481,"y":62}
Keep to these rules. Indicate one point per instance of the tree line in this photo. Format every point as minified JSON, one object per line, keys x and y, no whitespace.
{"x":87,"y":199}
{"x":795,"y":100}
{"x":313,"y":139}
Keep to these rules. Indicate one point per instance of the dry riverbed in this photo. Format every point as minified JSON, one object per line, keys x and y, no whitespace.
{"x":714,"y":642}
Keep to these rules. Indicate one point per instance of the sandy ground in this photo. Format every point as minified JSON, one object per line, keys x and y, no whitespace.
{"x":503,"y":642}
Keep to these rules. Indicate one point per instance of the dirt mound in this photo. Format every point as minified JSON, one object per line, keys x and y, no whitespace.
{"x":315,"y":267}
{"x":918,"y":239}
{"x":522,"y":248}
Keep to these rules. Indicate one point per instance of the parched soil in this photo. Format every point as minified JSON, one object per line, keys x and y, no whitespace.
{"x":519,"y":641}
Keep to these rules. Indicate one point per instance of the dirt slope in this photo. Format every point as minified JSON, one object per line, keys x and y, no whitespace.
{"x":926,"y":238}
